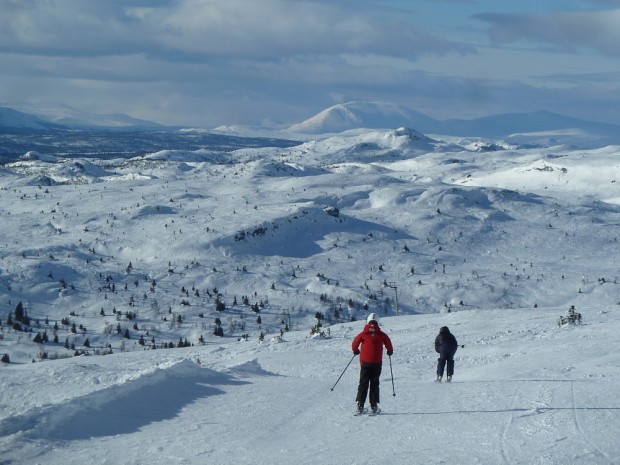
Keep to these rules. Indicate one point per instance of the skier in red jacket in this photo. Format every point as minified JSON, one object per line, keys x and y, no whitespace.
{"x":372,"y":340}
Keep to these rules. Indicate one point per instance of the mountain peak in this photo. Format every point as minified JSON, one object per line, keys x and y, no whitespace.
{"x":355,"y":115}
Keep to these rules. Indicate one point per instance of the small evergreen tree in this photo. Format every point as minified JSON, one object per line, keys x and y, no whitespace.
{"x":218,"y":331}
{"x":19,"y":312}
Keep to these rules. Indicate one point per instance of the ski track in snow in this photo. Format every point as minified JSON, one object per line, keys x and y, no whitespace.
{"x":505,"y":443}
{"x":586,"y":436}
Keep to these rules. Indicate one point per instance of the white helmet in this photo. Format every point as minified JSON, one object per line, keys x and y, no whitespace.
{"x":372,"y":317}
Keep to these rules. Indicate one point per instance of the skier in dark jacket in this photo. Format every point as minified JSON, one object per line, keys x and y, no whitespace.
{"x":372,"y":341}
{"x":445,"y":346}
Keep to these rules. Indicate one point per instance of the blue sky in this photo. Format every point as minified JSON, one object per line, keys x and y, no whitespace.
{"x":212,"y":62}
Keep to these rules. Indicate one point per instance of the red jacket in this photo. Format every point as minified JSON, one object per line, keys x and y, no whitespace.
{"x":372,"y":340}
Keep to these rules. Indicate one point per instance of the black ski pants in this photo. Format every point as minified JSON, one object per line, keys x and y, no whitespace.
{"x":369,"y":378}
{"x":446,"y":359}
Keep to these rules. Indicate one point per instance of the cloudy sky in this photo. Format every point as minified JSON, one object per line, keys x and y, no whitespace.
{"x":212,"y":62}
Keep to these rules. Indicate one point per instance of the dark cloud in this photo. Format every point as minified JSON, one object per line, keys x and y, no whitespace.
{"x":572,"y":31}
{"x":191,"y":29}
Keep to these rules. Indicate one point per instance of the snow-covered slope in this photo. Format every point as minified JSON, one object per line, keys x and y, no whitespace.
{"x":160,"y":251}
{"x":524,"y":391}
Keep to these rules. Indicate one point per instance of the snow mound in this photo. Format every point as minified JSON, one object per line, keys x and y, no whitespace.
{"x":284,"y":169}
{"x":196,"y":156}
{"x":81,"y":169}
{"x":249,"y":369}
{"x":34,"y":155}
{"x":303,"y":233}
{"x":404,"y":138}
{"x":121,"y":409}
{"x":155,"y":210}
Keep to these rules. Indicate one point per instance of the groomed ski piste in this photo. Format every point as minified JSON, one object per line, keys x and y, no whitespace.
{"x":525,"y":391}
{"x":503,"y":242}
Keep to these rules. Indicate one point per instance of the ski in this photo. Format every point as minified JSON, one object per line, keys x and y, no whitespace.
{"x":366,"y":411}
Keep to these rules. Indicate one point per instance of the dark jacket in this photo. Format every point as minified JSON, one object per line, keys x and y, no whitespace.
{"x":372,"y":340}
{"x":445,"y":337}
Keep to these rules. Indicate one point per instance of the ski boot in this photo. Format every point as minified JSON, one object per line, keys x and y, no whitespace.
{"x":449,"y":379}
{"x":374,"y":408}
{"x":438,"y":380}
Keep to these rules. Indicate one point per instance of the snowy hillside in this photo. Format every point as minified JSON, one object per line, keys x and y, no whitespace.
{"x":201,"y":274}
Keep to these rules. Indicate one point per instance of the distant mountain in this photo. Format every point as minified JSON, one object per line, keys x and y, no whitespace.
{"x":58,"y":116}
{"x":540,"y":127}
{"x":354,"y":115}
{"x":540,"y":123}
{"x":13,"y":119}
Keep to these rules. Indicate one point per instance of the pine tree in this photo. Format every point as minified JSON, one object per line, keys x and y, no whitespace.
{"x":19,"y":312}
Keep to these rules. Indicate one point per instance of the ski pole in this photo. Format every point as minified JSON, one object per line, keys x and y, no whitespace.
{"x":345,"y":369}
{"x":392,"y":375}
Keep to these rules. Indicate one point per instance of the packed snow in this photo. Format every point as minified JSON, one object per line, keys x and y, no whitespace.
{"x":130,"y":267}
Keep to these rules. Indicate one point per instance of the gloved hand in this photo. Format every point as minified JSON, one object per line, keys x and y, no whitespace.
{"x":356,"y":352}
{"x":389,"y":352}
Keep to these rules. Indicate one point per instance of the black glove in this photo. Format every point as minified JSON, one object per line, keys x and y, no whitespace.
{"x":356,"y":352}
{"x":389,"y":352}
